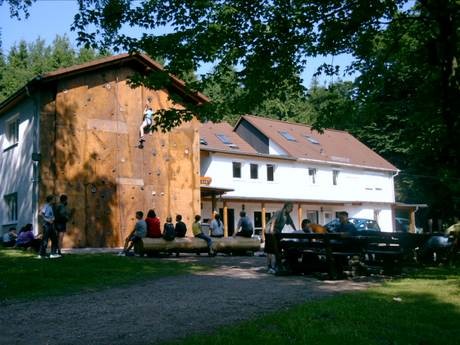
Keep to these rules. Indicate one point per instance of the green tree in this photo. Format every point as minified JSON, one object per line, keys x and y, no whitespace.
{"x":25,"y":61}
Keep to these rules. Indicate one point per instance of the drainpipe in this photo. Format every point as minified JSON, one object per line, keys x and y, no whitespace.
{"x":394,"y":200}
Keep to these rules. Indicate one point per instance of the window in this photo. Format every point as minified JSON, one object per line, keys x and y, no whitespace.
{"x":11,"y":201}
{"x":270,"y":172}
{"x":203,"y":141}
{"x":335,"y":176}
{"x":312,"y":173}
{"x":224,"y":139}
{"x":311,"y":139}
{"x":236,"y":169}
{"x":254,"y":171}
{"x":12,"y":131}
{"x":313,"y":216}
{"x":287,"y":136}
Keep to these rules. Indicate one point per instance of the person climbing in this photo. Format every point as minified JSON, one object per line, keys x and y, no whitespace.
{"x":146,"y":123}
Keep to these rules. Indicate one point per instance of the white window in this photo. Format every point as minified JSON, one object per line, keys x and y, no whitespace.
{"x":11,"y":201}
{"x":12,"y":132}
{"x":254,"y":171}
{"x":312,"y":174}
{"x":335,"y":177}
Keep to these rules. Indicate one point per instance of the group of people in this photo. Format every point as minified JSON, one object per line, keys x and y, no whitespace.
{"x":24,"y":239}
{"x":54,"y":217}
{"x":151,"y":227}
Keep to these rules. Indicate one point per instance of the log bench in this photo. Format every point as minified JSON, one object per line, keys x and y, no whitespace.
{"x":237,"y":245}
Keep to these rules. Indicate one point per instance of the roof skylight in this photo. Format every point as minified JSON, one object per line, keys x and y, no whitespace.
{"x":287,"y":136}
{"x":224,"y":139}
{"x":312,"y":140}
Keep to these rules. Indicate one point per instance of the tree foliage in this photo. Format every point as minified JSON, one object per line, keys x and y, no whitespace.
{"x":28,"y":60}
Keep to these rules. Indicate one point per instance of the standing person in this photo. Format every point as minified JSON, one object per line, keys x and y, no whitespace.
{"x":168,"y":230}
{"x":217,"y":227}
{"x":244,"y":226}
{"x":181,"y":228}
{"x":196,"y":228}
{"x":345,"y":225}
{"x":62,"y":214}
{"x":153,"y":225}
{"x":138,"y":233}
{"x":280,"y":219}
{"x":49,"y":233}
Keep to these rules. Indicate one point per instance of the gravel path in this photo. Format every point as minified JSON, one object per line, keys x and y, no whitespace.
{"x":237,"y":288}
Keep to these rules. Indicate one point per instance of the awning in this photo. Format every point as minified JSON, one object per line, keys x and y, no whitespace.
{"x":207,"y":191}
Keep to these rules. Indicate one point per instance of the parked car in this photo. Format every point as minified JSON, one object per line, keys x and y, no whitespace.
{"x":361,"y":224}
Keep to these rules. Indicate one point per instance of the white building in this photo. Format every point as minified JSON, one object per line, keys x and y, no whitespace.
{"x":262,"y":163}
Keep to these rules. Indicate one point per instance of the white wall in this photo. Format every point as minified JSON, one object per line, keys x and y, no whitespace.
{"x":293,"y":182}
{"x":16,"y":166}
{"x":364,"y":193}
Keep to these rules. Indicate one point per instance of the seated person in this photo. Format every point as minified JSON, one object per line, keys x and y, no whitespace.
{"x":153,"y":225}
{"x":309,"y":227}
{"x":139,"y":232}
{"x":9,"y":238}
{"x":27,"y":239}
{"x":345,"y":226}
{"x":168,"y":230}
{"x":244,"y":227}
{"x":217,"y":227}
{"x":196,"y":228}
{"x":180,"y":229}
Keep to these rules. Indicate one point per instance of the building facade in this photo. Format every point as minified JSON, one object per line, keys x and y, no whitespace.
{"x":262,"y":163}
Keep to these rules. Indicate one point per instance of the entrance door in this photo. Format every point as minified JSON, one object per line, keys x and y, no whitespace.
{"x":231,"y":219}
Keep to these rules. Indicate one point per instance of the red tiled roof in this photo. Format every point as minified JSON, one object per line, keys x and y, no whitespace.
{"x":209,"y":130}
{"x":333,"y":146}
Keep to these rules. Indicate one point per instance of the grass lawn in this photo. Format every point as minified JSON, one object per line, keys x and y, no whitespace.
{"x":23,"y":276}
{"x":423,"y":309}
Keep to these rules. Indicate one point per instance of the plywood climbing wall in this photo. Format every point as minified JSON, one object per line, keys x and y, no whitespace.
{"x":90,"y":135}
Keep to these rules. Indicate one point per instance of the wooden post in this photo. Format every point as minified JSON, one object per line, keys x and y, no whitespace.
{"x":225,"y":219}
{"x":412,"y":220}
{"x":299,"y":216}
{"x":263,"y":222}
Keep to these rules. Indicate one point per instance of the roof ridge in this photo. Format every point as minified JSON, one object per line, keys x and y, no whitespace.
{"x":296,"y":123}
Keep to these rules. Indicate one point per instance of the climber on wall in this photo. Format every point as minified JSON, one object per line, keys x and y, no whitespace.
{"x":146,"y":123}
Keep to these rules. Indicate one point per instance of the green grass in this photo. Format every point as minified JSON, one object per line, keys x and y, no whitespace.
{"x":427,"y":314}
{"x":24,"y":277}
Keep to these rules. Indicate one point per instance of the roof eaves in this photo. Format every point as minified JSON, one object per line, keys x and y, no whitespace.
{"x":252,"y":154}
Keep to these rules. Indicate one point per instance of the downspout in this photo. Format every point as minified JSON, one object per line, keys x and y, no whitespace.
{"x":35,"y":163}
{"x":394,"y":201}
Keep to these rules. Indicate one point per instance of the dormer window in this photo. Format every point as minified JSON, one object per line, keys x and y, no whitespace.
{"x":287,"y":136}
{"x":224,"y":139}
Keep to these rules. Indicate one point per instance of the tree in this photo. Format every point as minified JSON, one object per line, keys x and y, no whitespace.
{"x":28,"y":60}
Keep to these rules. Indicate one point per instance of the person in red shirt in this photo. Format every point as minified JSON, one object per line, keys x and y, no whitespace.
{"x":153,"y":225}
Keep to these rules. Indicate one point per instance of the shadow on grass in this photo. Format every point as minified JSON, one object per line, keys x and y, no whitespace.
{"x":23,"y":276}
{"x":408,"y":311}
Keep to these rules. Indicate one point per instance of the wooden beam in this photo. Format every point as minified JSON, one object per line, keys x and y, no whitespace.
{"x":263,"y":222}
{"x":412,"y":220}
{"x":225,"y":219}
{"x":299,"y":215}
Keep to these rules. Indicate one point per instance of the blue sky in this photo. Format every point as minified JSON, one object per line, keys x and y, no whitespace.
{"x":49,"y":18}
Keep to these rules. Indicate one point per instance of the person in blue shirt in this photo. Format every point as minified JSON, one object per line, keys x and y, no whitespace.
{"x":49,"y":232}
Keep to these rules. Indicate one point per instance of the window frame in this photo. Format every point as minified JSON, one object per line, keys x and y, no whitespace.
{"x":256,"y":166}
{"x":272,"y":166}
{"x":236,"y":165}
{"x":312,"y":172}
{"x":335,"y":177}
{"x":11,"y":202}
{"x":12,"y":140}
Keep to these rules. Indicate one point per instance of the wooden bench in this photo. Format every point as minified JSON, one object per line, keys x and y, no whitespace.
{"x":237,"y":245}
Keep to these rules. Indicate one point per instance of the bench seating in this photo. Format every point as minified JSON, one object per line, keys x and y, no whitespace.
{"x":196,"y":245}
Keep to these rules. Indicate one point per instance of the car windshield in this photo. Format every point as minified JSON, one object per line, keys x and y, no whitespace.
{"x":365,"y":224}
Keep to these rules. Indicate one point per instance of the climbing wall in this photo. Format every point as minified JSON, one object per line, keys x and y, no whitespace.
{"x":91,"y":138}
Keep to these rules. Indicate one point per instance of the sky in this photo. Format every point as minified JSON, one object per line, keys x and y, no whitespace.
{"x":49,"y":18}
